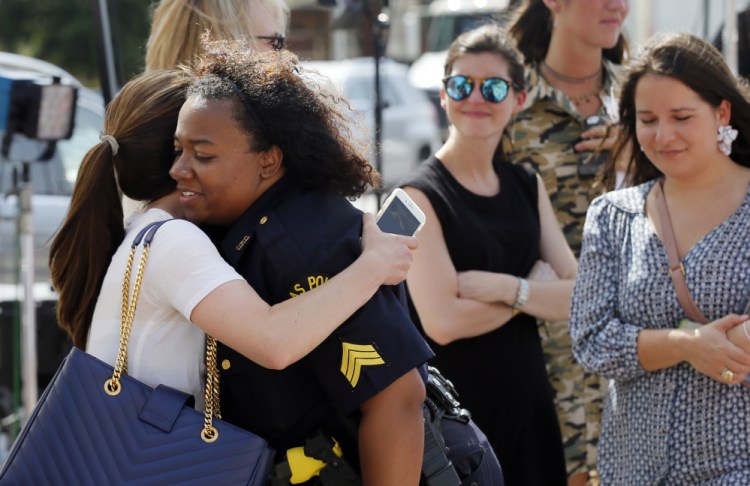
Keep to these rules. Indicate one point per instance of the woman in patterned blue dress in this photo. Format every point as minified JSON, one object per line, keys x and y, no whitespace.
{"x":675,"y":412}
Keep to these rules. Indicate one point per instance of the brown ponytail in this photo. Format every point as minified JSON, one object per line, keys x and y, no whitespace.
{"x":85,"y":243}
{"x":142,"y":119}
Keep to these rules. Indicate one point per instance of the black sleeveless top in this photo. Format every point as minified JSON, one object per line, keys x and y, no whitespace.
{"x":498,"y":233}
{"x":500,"y":376}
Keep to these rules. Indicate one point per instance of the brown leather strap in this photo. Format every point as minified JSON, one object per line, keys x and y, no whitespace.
{"x":676,"y":269}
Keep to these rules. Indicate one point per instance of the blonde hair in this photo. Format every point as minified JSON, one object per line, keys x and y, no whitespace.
{"x":177,"y":27}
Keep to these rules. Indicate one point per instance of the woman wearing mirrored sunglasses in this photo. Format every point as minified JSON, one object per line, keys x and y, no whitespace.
{"x":573,"y":50}
{"x":493,"y":89}
{"x":475,"y":286}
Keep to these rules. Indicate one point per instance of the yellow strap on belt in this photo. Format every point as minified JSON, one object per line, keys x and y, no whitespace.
{"x":303,"y":468}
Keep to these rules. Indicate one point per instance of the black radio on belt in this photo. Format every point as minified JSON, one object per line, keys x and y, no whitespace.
{"x":437,"y":469}
{"x":441,"y":401}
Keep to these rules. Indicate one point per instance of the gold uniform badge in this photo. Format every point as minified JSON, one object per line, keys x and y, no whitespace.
{"x":354,"y":357}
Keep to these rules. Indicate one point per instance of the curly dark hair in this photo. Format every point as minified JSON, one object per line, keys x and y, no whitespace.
{"x":279,"y":102}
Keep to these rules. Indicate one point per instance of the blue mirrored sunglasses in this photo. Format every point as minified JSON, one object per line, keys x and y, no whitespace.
{"x":494,"y":90}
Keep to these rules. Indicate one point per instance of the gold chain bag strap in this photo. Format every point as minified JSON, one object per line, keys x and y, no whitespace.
{"x":127,"y":432}
{"x":112,"y":387}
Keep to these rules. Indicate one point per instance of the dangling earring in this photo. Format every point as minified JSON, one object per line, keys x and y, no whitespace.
{"x":725,"y":137}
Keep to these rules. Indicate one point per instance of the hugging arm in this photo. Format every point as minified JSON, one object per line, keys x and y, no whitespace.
{"x":277,"y":336}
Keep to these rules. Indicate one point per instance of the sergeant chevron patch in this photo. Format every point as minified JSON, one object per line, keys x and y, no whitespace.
{"x":354,"y":357}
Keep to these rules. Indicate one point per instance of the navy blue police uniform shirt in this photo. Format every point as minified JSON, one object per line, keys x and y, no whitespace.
{"x":289,"y":242}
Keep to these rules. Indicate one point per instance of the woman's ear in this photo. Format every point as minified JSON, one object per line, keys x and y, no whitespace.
{"x":552,"y":5}
{"x":271,"y":160}
{"x":724,"y":112}
{"x":520,"y":100}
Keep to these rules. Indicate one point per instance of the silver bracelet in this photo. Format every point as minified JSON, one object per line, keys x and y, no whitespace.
{"x":522,"y":295}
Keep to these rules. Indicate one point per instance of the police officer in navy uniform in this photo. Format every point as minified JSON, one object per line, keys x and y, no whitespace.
{"x":262,"y":162}
{"x":295,"y":239}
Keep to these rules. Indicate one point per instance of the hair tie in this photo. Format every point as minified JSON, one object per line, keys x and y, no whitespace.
{"x":112,"y":143}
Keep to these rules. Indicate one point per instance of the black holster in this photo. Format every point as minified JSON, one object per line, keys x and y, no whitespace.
{"x":441,"y":403}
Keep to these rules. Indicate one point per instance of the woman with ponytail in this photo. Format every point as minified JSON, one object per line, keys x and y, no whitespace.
{"x":188,"y":289}
{"x":136,"y":154}
{"x":573,"y":50}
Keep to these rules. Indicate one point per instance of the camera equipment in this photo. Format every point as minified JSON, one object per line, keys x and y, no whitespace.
{"x":33,"y":108}
{"x":37,"y":108}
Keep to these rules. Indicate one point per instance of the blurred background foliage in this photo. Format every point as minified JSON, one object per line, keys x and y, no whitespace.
{"x":64,"y":32}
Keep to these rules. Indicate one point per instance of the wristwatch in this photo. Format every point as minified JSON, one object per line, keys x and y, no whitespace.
{"x":522,"y":294}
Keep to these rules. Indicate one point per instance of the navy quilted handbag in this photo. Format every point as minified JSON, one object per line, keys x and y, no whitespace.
{"x":95,"y":425}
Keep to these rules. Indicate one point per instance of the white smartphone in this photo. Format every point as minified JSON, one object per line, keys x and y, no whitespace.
{"x":400,"y":214}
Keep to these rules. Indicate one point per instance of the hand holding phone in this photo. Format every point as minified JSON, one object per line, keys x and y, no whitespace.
{"x":400,"y":214}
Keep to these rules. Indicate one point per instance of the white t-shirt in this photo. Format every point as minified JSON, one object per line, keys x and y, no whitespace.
{"x":165,"y":347}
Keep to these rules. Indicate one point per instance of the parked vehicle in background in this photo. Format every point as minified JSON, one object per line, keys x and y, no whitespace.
{"x":446,"y":20}
{"x":409,"y":121}
{"x":52,"y":182}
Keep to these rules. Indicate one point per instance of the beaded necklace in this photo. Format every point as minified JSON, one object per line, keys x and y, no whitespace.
{"x":588,"y":95}
{"x":569,"y":79}
{"x":583,"y":97}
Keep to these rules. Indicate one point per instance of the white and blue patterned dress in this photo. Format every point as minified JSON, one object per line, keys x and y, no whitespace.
{"x":674,"y":426}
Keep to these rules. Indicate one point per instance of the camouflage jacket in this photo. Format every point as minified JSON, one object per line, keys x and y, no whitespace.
{"x":543,"y":135}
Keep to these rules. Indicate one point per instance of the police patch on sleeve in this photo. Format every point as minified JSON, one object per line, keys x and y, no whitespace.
{"x":354,"y":357}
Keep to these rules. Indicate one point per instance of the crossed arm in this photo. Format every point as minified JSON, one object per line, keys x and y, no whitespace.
{"x":279,"y":335}
{"x":452,"y":306}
